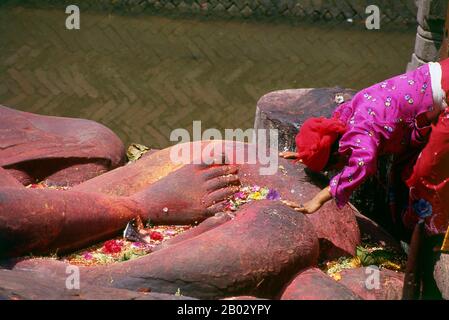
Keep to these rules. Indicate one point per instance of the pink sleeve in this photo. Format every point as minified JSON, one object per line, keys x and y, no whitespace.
{"x":343,"y":111}
{"x":362,"y":143}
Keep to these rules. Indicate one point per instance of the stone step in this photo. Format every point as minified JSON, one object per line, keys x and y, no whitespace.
{"x":427,"y":49}
{"x":286,"y":110}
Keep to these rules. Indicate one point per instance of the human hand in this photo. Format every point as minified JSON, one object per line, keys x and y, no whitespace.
{"x":310,"y":207}
{"x":307,"y":208}
{"x":313,"y":205}
{"x":288,"y":155}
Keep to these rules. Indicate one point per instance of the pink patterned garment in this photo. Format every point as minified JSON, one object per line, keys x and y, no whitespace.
{"x":382,"y":119}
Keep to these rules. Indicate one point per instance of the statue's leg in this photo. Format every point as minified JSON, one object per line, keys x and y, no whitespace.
{"x":338,"y":230}
{"x":256,"y":253}
{"x":171,"y":194}
{"x":7,"y":180}
{"x":206,"y":225}
{"x":314,"y":284}
{"x":49,"y":221}
{"x":65,"y":172}
{"x":42,"y":221}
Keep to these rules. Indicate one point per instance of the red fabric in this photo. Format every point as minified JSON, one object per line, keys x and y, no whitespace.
{"x":430,"y":179}
{"x":445,"y":76}
{"x":314,"y":141}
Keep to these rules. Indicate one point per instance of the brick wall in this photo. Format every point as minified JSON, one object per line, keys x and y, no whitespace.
{"x":392,"y":11}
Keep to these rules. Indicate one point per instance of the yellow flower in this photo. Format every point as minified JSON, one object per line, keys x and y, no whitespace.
{"x":391,"y":265}
{"x":256,"y":196}
{"x":336,"y":276}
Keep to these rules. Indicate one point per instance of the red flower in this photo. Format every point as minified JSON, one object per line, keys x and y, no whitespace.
{"x":36,"y":186}
{"x":157,"y":236}
{"x":112,"y":246}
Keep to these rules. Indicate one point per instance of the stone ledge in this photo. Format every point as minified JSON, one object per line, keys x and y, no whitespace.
{"x":286,"y":110}
{"x":403,"y":10}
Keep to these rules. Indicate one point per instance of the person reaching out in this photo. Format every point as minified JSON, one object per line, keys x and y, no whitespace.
{"x":391,"y":117}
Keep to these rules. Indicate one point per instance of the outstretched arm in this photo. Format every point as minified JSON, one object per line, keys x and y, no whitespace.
{"x":313,"y":205}
{"x":362,"y":143}
{"x":362,"y":163}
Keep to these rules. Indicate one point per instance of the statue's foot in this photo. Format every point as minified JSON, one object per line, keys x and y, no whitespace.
{"x":189,"y":194}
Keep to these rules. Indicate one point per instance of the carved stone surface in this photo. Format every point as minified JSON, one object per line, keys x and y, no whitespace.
{"x":111,"y":200}
{"x":375,"y":233}
{"x":7,"y":180}
{"x":23,"y":285}
{"x":441,"y":274}
{"x":286,"y":110}
{"x":314,"y":284}
{"x":59,"y":150}
{"x":256,"y":253}
{"x":363,"y":282}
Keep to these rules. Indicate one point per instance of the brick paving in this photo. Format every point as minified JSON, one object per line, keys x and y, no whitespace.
{"x":145,"y":76}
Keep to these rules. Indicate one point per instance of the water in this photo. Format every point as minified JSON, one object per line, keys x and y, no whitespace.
{"x":145,"y":76}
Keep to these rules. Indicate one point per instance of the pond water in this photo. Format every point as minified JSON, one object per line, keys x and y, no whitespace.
{"x":144,"y":76}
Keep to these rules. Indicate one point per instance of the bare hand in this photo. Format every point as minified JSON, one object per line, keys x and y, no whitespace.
{"x":288,"y":155}
{"x":308,"y":208}
{"x":295,"y":206}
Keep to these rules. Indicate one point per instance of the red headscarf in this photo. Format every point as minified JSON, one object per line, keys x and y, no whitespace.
{"x":314,"y":141}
